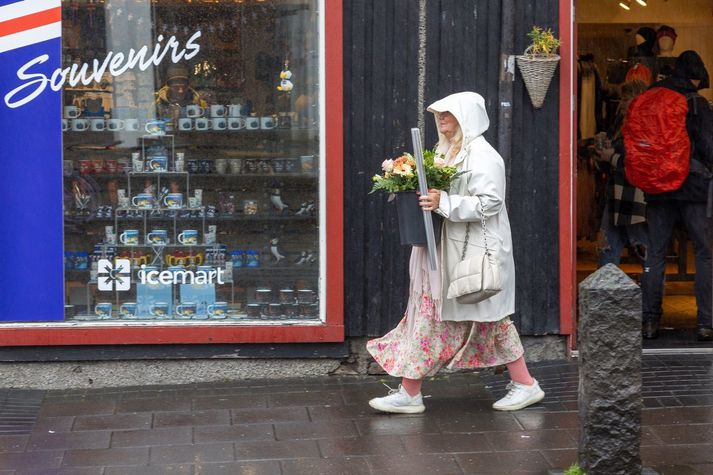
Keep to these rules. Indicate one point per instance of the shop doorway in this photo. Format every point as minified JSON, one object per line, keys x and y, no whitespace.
{"x":607,"y":54}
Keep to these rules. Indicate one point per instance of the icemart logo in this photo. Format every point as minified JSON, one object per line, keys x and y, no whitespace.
{"x":114,"y":276}
{"x":168,"y":277}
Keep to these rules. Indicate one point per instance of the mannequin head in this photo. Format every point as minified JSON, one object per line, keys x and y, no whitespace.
{"x":645,"y":41}
{"x":666,"y":38}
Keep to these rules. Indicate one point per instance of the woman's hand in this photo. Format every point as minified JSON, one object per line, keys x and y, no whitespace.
{"x":430,"y":201}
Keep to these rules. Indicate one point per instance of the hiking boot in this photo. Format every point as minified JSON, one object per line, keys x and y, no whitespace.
{"x":520,"y":396}
{"x":398,"y":401}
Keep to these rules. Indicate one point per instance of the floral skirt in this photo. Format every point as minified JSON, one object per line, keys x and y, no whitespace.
{"x":421,"y":344}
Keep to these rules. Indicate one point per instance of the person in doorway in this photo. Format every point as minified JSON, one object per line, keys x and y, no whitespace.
{"x":437,"y":331}
{"x":624,"y":218}
{"x":176,"y":93}
{"x":687,"y":203}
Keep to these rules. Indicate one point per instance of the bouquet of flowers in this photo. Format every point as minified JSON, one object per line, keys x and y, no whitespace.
{"x":400,"y":173}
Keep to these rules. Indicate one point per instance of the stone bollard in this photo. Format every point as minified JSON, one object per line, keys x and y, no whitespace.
{"x":609,"y":345}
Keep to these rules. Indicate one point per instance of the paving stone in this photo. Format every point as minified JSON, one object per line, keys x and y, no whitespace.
{"x":530,"y":440}
{"x":152,"y":437}
{"x":315,"y":430}
{"x":547,"y":420}
{"x":690,"y":434}
{"x":331,"y":466}
{"x":13,"y":443}
{"x":350,"y":446}
{"x":154,"y":405}
{"x":229,"y":402}
{"x":480,"y":422}
{"x":265,"y":467}
{"x":445,"y":443}
{"x":503,"y":463}
{"x":106,"y":457}
{"x":312,"y":398}
{"x":385,"y":425}
{"x":70,"y":440}
{"x":197,"y":418}
{"x":354,"y":411}
{"x":274,"y":414}
{"x":414,"y":464}
{"x":207,"y":434}
{"x":63,"y":471}
{"x":31,"y":460}
{"x":182,"y":469}
{"x":54,"y":424}
{"x":659,"y":455}
{"x":78,"y":408}
{"x":282,"y":449}
{"x":560,"y":458}
{"x":141,"y":420}
{"x":199,"y":453}
{"x":675,"y":416}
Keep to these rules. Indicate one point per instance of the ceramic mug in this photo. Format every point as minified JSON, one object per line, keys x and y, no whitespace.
{"x":217,"y":310}
{"x":65,"y":125}
{"x":185,"y":124}
{"x":97,"y":125}
{"x":186,"y":309}
{"x":102,"y":310}
{"x":217,"y":110}
{"x":173,"y":200}
{"x":156,"y":127}
{"x":157,"y":164}
{"x":157,"y":237}
{"x":193,"y":111}
{"x":143,"y":201}
{"x":128,"y":310}
{"x":234,"y":110}
{"x":252,"y":123}
{"x":130,"y":237}
{"x":236,"y":123}
{"x":159,"y":309}
{"x":115,"y":124}
{"x":79,"y":125}
{"x":71,"y":112}
{"x":202,"y":123}
{"x":219,"y":123}
{"x":132,"y":125}
{"x":188,"y":237}
{"x":268,"y":122}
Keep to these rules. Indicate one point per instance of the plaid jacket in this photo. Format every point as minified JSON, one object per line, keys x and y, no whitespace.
{"x":627,"y":204}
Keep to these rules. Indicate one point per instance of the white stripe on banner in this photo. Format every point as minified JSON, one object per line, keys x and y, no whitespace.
{"x":26,"y":7}
{"x":30,"y":37}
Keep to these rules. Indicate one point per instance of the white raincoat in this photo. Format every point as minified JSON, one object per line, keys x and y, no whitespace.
{"x":484,"y":182}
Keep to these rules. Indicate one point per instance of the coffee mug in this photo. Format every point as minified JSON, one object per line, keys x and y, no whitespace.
{"x":202,"y":123}
{"x":71,"y":112}
{"x":235,"y":110}
{"x":132,"y":125}
{"x":188,"y":237}
{"x":115,"y":124}
{"x":236,"y":123}
{"x":307,"y":162}
{"x":138,"y":164}
{"x":157,"y":237}
{"x":65,"y":125}
{"x":173,"y":200}
{"x":217,"y":110}
{"x":252,"y":123}
{"x":193,"y":202}
{"x":221,"y":165}
{"x":102,"y":310}
{"x":267,"y":122}
{"x":185,"y":124}
{"x":156,"y":127}
{"x":217,"y":310}
{"x":236,"y":165}
{"x":159,"y":309}
{"x":219,"y":123}
{"x":193,"y":111}
{"x":130,"y":237}
{"x":128,"y":310}
{"x":80,"y":125}
{"x":186,"y":309}
{"x":157,"y":164}
{"x":143,"y":201}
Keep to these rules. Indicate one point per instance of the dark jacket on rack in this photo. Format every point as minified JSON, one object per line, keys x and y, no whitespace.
{"x":699,"y":124}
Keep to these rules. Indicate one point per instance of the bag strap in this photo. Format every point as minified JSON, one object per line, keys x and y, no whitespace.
{"x":484,"y":219}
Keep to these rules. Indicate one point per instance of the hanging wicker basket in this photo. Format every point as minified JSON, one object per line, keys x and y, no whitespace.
{"x":537,"y":71}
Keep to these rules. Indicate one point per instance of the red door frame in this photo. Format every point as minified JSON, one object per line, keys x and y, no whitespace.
{"x":41,"y":334}
{"x":567,"y":170}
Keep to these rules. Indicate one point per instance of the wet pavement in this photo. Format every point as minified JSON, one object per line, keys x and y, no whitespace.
{"x":324,"y":426}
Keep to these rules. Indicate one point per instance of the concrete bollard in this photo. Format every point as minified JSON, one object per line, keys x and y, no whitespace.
{"x":609,"y":346}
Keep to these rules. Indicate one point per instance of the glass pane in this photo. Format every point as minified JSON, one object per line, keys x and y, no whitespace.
{"x":191,"y":160}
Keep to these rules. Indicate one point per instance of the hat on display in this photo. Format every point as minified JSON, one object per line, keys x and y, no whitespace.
{"x":177,"y":71}
{"x":666,"y":30}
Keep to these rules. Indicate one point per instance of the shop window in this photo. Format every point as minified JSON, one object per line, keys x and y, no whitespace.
{"x":191,"y":160}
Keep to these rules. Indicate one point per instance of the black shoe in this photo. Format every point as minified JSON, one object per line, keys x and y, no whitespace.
{"x":650,"y":330}
{"x":704,"y":334}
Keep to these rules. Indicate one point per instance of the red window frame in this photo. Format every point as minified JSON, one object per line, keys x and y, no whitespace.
{"x":48,"y":334}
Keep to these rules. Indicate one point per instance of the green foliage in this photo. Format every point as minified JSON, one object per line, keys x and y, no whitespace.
{"x":574,"y":469}
{"x":542,"y":42}
{"x":400,"y":174}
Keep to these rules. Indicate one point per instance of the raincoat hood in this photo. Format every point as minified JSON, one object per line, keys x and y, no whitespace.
{"x":469,"y":110}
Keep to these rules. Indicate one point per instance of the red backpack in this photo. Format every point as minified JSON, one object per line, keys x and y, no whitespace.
{"x":658,"y":149}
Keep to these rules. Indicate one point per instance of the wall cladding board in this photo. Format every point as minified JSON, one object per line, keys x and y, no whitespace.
{"x":380,"y":102}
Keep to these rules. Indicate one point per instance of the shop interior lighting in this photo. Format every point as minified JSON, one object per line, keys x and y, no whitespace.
{"x":641,"y":2}
{"x":625,"y":4}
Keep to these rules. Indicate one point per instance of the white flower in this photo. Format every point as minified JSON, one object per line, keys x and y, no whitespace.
{"x":387,"y":165}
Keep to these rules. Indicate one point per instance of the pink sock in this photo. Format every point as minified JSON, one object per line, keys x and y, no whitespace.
{"x":519,"y":373}
{"x":412,"y":386}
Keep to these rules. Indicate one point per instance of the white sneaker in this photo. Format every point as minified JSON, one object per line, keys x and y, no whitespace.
{"x":399,"y":402}
{"x":520,"y":396}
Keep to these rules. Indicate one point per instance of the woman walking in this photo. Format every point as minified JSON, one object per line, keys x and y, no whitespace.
{"x":437,"y":331}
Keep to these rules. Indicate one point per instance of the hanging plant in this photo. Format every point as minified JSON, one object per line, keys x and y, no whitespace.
{"x":538,"y":64}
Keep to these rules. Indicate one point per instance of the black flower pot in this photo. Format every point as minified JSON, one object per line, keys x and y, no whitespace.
{"x":411,"y":228}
